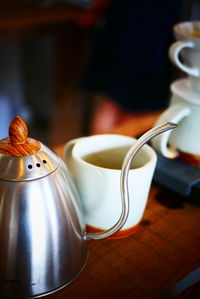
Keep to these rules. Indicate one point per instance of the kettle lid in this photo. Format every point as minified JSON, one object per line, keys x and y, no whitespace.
{"x":23,"y":158}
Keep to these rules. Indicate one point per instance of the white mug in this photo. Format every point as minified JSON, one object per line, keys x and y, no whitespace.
{"x":187,"y":47}
{"x":99,"y":186}
{"x":184,"y":109}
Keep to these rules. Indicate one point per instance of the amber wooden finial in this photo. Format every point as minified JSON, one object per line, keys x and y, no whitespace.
{"x":18,"y":131}
{"x":18,"y":143}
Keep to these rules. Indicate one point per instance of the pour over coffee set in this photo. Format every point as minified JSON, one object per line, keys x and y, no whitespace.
{"x":50,"y":208}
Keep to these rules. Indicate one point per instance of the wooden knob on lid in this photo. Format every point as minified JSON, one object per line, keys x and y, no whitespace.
{"x":18,"y":143}
{"x":18,"y":131}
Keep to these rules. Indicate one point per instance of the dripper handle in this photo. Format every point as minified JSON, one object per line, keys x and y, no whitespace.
{"x":174,"y":52}
{"x":124,"y":179}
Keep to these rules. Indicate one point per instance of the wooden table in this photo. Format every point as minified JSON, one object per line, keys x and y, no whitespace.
{"x":164,"y":249}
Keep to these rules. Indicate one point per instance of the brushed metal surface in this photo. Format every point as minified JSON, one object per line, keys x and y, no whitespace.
{"x":42,"y":234}
{"x":29,"y":167}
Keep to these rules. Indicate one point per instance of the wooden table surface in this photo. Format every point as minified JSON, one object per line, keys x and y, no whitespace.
{"x":165,"y":248}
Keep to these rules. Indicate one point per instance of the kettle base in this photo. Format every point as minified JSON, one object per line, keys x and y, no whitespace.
{"x":57,"y":289}
{"x":51,"y":291}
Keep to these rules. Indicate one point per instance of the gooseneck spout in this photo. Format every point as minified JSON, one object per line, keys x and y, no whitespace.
{"x":124,"y":179}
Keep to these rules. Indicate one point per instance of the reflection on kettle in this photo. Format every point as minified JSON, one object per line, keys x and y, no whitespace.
{"x":42,"y":229}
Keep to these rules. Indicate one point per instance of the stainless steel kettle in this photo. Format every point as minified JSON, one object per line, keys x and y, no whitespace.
{"x":43,"y":243}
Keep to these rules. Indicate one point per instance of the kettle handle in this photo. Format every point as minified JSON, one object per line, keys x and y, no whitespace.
{"x":124,"y":179}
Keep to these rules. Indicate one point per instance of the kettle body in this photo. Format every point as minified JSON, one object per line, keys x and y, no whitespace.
{"x":43,"y":241}
{"x":42,"y":232}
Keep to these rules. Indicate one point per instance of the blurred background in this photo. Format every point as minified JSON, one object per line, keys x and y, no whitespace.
{"x":69,"y":66}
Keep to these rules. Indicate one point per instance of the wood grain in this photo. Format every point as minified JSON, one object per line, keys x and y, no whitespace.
{"x":163,"y":250}
{"x":190,"y":159}
{"x":18,"y":131}
{"x":18,"y":143}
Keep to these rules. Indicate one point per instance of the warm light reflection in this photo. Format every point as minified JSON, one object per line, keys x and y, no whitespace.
{"x":49,"y":165}
{"x":20,"y":168}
